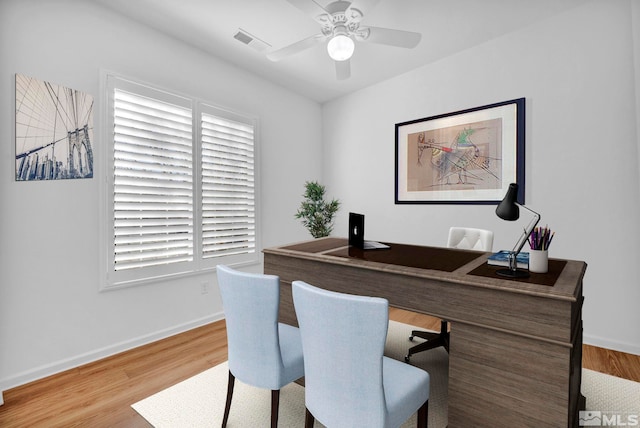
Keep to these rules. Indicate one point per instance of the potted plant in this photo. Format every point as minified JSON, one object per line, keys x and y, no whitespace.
{"x":315,"y":212}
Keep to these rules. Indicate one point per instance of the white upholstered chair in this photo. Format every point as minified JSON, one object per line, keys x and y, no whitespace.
{"x":464,"y":238}
{"x":348,"y":381}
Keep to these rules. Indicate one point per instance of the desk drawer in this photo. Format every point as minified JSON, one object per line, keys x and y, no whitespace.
{"x":529,"y":380}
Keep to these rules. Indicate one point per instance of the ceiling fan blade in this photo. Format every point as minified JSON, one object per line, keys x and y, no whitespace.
{"x":309,"y":7}
{"x":296,"y":47}
{"x":399,"y":38}
{"x":364,"y":6}
{"x":343,"y":69}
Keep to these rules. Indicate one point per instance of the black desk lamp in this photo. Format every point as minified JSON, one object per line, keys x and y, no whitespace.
{"x":509,"y":210}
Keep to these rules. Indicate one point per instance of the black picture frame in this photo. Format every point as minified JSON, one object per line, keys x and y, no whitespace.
{"x":464,"y":157}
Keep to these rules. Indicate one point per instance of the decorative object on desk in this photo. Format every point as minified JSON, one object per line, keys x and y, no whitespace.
{"x":509,"y":210}
{"x":501,"y":258}
{"x":539,"y":261}
{"x":541,"y":238}
{"x":465,"y":157}
{"x":317,"y":214}
{"x":539,"y":241}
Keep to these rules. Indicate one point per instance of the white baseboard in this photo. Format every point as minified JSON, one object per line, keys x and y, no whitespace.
{"x":60,"y":366}
{"x":602,"y":342}
{"x":98,"y":354}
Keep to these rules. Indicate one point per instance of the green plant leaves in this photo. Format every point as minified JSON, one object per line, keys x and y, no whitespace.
{"x":317,"y":214}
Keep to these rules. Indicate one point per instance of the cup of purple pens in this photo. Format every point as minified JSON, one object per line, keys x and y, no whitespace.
{"x":539,"y":241}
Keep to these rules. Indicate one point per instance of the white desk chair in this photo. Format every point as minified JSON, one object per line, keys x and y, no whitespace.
{"x":463,"y":238}
{"x":466,"y":238}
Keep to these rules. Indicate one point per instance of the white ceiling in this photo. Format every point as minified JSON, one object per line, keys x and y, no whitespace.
{"x":447,"y":27}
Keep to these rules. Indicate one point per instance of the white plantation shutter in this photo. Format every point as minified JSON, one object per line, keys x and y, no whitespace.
{"x":228,"y":198}
{"x":179,"y":195}
{"x":153,"y":182}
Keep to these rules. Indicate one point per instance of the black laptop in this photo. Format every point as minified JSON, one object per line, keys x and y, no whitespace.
{"x":356,"y":234}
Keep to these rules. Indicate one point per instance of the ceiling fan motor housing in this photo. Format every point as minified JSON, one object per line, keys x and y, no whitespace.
{"x":340,"y":20}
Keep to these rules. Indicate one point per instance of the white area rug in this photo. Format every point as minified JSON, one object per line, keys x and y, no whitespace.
{"x":198,"y":402}
{"x":609,"y":399}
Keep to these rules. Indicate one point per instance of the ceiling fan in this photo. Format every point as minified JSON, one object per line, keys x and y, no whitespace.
{"x":340,"y":24}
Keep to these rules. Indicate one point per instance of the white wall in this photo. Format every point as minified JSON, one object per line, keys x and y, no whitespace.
{"x":576,"y":71}
{"x":52,"y":315}
{"x":577,"y":74}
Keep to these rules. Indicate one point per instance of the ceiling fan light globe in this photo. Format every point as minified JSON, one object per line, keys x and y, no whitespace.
{"x":340,"y":47}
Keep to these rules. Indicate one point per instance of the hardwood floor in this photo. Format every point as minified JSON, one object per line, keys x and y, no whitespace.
{"x":100,"y":394}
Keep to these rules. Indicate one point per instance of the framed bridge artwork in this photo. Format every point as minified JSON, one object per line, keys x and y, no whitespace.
{"x":465,"y":157}
{"x":54,"y":131}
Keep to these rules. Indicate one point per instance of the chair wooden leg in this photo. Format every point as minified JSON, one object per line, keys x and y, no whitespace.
{"x":227,"y":406}
{"x":308,"y":419}
{"x":275,"y":403}
{"x":423,"y":415}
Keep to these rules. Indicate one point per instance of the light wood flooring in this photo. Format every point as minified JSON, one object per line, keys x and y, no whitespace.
{"x":100,"y":394}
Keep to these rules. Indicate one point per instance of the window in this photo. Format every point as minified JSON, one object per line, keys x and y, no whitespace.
{"x":180,"y":185}
{"x":228,"y":207}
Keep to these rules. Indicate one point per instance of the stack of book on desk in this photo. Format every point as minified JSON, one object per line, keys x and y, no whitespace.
{"x":501,"y":258}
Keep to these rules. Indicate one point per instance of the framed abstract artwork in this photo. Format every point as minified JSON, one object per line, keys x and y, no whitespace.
{"x":465,"y":157}
{"x":54,"y":131}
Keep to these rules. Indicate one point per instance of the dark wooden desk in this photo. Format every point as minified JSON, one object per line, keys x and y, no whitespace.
{"x":516,"y":346}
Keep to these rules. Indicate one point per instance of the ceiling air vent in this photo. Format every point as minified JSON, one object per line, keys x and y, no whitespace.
{"x":251,"y":40}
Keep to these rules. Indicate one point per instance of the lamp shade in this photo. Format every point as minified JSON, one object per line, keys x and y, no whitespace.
{"x":507,"y":209}
{"x":340,"y":47}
